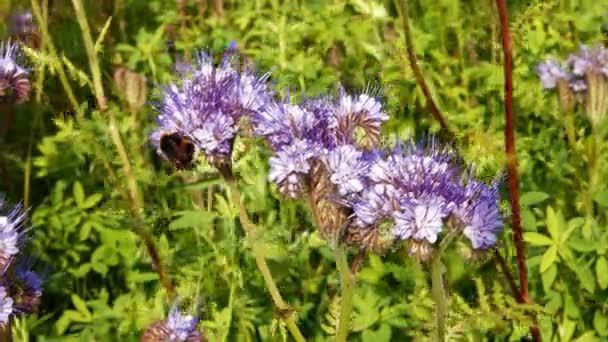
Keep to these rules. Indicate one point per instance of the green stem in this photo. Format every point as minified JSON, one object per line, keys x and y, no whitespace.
{"x":441,"y":308}
{"x":257,"y":247}
{"x":91,"y":54}
{"x":53,"y":52}
{"x":347,"y":281}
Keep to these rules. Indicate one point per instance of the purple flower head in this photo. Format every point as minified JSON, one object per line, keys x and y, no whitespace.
{"x":362,"y":112}
{"x":207,"y":104}
{"x":282,"y":123}
{"x":550,"y":72}
{"x":21,"y":24}
{"x":589,"y":59}
{"x":6,"y":306}
{"x":11,"y":232}
{"x":578,"y":85}
{"x":27,"y":288}
{"x":14,"y":81}
{"x":347,"y":167}
{"x":176,"y":328}
{"x":480,"y":214}
{"x":417,"y":186}
{"x":291,"y":165}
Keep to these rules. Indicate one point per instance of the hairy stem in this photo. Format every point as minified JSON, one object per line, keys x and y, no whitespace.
{"x":441,"y":307}
{"x":512,"y":159}
{"x":257,"y":247}
{"x":347,"y":282}
{"x":411,"y":55}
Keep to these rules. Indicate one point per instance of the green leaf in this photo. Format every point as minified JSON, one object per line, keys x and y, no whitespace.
{"x":537,"y":239}
{"x":78,"y":193}
{"x":600,"y":322}
{"x":549,"y":258}
{"x":548,"y":277}
{"x":601,"y":197}
{"x":528,"y":220}
{"x":582,"y":245}
{"x":91,"y":201}
{"x":589,"y":336}
{"x":383,"y":334}
{"x":81,"y":306}
{"x":554,"y":223}
{"x":601,"y":272}
{"x":533,"y":197}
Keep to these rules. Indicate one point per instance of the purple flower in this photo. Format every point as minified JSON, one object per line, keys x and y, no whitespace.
{"x":550,"y":72}
{"x":6,"y":306}
{"x":578,"y":85}
{"x":282,"y":123}
{"x":290,"y":165}
{"x":416,"y":188}
{"x":205,"y":107}
{"x":21,"y":24}
{"x":176,"y":328}
{"x":589,"y":59}
{"x":10,"y":235}
{"x":29,"y":288}
{"x":362,"y":111}
{"x":14,"y":82}
{"x":480,"y":214}
{"x":347,"y":168}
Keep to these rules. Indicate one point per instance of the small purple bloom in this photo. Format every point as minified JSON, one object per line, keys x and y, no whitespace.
{"x":480,"y":214}
{"x":6,"y":306}
{"x":347,"y":167}
{"x":362,"y":111}
{"x":420,"y":218}
{"x":578,"y":85}
{"x":290,"y":165}
{"x":14,"y":81}
{"x":10,"y":235}
{"x":282,"y":123}
{"x":589,"y":59}
{"x":21,"y":24}
{"x":550,"y":72}
{"x":30,"y":288}
{"x":176,"y":328}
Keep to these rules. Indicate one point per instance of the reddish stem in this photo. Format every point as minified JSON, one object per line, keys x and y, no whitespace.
{"x":411,"y":55}
{"x":512,"y":159}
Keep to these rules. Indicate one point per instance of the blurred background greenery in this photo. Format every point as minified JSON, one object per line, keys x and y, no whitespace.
{"x":57,"y":154}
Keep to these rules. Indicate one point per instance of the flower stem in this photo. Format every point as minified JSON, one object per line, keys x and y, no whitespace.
{"x":441,"y":307}
{"x":347,"y":281}
{"x":257,"y":247}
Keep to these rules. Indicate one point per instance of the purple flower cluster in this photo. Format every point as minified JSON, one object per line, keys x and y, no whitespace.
{"x":176,"y":328}
{"x":21,"y":25}
{"x":416,"y":189}
{"x":407,"y":195}
{"x":585,"y":74}
{"x":20,"y":288}
{"x":14,"y":81}
{"x":324,"y":129}
{"x":205,"y":107}
{"x":587,"y":60}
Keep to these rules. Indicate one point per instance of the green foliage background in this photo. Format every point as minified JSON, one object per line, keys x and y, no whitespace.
{"x":100,"y":284}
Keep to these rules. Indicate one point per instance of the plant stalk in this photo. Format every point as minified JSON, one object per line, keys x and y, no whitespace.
{"x":512,"y":159}
{"x":257,"y":247}
{"x":441,"y":307}
{"x":347,"y":282}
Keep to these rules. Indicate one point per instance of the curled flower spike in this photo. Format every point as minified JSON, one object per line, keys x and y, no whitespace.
{"x":11,"y":233}
{"x":589,"y":59}
{"x":176,"y":328}
{"x":291,"y":165}
{"x":22,"y":24}
{"x":201,"y":113}
{"x":6,"y":306}
{"x":14,"y":82}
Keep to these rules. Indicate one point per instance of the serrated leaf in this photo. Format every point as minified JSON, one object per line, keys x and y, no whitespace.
{"x":533,"y":197}
{"x":549,"y":258}
{"x":601,"y":272}
{"x":537,"y":239}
